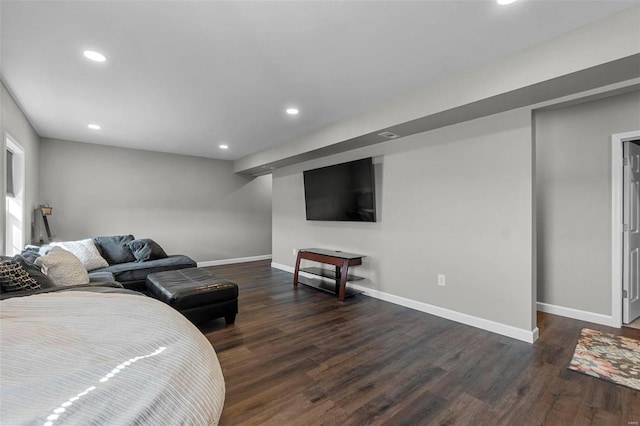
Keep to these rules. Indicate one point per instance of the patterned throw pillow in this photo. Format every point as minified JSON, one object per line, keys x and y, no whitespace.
{"x":33,"y":270}
{"x":14,"y":278}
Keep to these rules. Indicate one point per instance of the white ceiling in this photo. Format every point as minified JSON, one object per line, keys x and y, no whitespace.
{"x":186,"y":76}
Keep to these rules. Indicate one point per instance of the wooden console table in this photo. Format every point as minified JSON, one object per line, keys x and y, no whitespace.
{"x":339,"y":259}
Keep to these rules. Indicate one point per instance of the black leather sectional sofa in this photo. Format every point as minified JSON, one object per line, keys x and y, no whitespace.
{"x":127,"y":269}
{"x":129,"y":262}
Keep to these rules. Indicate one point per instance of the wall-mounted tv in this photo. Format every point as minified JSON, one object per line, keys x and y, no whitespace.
{"x":342,"y":192}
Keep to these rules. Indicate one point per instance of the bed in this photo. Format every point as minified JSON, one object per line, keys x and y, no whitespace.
{"x":81,"y":357}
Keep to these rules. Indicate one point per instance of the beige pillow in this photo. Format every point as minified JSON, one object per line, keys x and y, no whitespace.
{"x":86,"y":251}
{"x":63,"y":268}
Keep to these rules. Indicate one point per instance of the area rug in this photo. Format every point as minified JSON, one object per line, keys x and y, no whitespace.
{"x":608,"y":357}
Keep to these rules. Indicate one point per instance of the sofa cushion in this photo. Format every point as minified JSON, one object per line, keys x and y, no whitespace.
{"x":101,"y":277}
{"x":14,"y":278}
{"x":114,"y":248}
{"x":86,"y":251}
{"x":146,"y":249}
{"x":63,"y":268}
{"x":138,"y":271}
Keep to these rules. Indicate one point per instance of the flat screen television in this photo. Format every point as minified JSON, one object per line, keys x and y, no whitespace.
{"x":342,"y":192}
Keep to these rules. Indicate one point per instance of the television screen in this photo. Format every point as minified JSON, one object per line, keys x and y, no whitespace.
{"x":342,"y":192}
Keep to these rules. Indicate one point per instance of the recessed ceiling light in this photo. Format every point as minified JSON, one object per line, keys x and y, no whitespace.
{"x":506,"y":1}
{"x":93,"y":126}
{"x":94,"y":56}
{"x":292,"y":111}
{"x":223,"y":146}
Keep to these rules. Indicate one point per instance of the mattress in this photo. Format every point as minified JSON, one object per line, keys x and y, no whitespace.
{"x":85,"y":358}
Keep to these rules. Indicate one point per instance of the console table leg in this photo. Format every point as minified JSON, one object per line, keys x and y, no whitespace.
{"x":295,"y":274}
{"x":343,"y":279}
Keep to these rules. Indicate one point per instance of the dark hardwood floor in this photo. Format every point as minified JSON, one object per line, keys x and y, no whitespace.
{"x":300,"y":357}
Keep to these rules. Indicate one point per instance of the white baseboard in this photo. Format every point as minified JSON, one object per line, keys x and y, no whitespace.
{"x":577,"y":314}
{"x":236,"y":260}
{"x":528,"y":336}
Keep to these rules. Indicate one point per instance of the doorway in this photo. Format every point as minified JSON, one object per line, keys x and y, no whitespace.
{"x":631,"y":232}
{"x":14,"y":197}
{"x":625,"y":226}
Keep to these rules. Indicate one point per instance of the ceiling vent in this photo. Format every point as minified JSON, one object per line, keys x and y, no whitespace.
{"x":388,"y":135}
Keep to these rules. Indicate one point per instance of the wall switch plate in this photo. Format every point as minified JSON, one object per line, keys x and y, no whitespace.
{"x":441,"y":280}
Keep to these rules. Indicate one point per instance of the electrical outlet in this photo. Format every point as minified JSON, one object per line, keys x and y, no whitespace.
{"x":441,"y":280}
{"x":295,"y":252}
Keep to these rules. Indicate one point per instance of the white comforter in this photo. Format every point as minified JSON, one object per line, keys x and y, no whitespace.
{"x":87,"y":358}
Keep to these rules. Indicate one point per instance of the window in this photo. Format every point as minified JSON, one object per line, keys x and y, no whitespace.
{"x":9,"y":177}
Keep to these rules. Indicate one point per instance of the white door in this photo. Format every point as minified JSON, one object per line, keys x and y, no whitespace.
{"x":631,"y":238}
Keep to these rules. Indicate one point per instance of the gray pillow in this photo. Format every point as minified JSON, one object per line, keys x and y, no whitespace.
{"x":115,"y":249}
{"x":146,"y":249}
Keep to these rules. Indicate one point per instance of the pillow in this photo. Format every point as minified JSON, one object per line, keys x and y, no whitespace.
{"x":146,"y":249}
{"x":14,"y":278}
{"x":114,"y":249}
{"x":63,"y":268}
{"x":86,"y":251}
{"x":33,"y":270}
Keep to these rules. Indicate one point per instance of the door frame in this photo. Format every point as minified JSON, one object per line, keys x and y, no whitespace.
{"x":617,"y":168}
{"x":11,"y":143}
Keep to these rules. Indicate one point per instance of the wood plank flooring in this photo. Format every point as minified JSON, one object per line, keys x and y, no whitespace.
{"x":300,"y":357}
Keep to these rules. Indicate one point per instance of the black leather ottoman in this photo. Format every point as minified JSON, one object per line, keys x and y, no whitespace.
{"x":197,"y":293}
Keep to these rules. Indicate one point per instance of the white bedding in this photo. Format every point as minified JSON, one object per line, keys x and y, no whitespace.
{"x":86,"y":358}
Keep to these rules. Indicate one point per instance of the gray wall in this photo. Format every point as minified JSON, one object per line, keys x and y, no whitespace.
{"x":14,"y":123}
{"x":573,"y":181}
{"x":454,"y":201}
{"x":189,"y":205}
